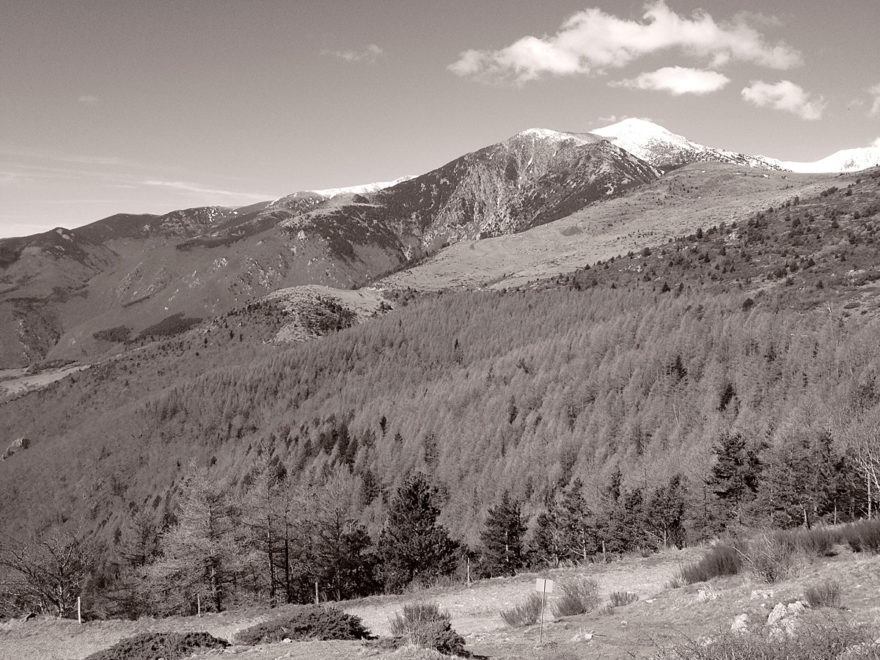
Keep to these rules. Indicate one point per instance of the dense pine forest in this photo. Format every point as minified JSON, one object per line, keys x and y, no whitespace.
{"x":730,"y":378}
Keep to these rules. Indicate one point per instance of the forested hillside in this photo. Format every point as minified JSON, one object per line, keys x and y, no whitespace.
{"x":764,"y":332}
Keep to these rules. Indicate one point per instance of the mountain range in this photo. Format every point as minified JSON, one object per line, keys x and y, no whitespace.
{"x":75,"y":294}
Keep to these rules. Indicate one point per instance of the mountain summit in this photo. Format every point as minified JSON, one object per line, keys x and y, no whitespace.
{"x":666,"y":150}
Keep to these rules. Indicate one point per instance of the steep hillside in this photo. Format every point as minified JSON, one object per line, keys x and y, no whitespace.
{"x":64,"y":290}
{"x":683,"y":200}
{"x":637,"y":363}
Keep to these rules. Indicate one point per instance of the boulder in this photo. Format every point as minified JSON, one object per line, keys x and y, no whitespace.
{"x":740,"y":624}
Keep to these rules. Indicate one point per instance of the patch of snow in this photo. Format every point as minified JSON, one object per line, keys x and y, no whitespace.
{"x":846,"y":160}
{"x":361,"y":189}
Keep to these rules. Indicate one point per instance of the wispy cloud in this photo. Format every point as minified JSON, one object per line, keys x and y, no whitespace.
{"x":875,"y":100}
{"x":677,"y":80}
{"x":60,"y":157}
{"x":88,"y":99}
{"x":195,"y":188}
{"x":369,"y":54}
{"x":592,"y":41}
{"x":785,"y":96}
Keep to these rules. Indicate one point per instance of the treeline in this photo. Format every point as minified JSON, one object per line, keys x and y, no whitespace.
{"x":280,"y":540}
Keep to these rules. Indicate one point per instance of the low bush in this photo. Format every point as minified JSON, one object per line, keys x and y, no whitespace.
{"x":426,"y":626}
{"x":621,"y":598}
{"x":863,"y":536}
{"x":816,"y":542}
{"x":770,"y":555}
{"x":170,"y":646}
{"x":524,"y":614}
{"x":721,"y":559}
{"x":306,"y":622}
{"x":817,"y":638}
{"x":579,"y":595}
{"x":826,"y":594}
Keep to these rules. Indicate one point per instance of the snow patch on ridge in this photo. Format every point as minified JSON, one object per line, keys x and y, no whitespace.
{"x":362,"y":189}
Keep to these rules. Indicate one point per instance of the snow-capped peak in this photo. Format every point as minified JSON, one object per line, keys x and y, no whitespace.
{"x":664,"y":149}
{"x":846,"y":160}
{"x":643,"y":138}
{"x":360,"y":189}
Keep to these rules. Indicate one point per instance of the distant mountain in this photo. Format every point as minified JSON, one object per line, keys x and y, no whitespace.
{"x":72,"y":294}
{"x":846,"y":160}
{"x":666,"y":150}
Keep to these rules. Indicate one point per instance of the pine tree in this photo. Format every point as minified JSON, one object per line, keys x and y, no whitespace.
{"x":547,"y":545}
{"x":665,"y":513}
{"x":412,"y":546}
{"x":734,"y":478}
{"x":502,"y":538}
{"x":577,"y":524}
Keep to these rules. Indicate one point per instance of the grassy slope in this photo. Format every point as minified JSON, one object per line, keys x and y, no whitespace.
{"x":661,"y":617}
{"x":695,"y":196}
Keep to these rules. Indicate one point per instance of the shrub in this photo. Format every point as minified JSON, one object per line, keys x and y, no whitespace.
{"x":306,"y":622}
{"x":817,"y":638}
{"x":826,"y":594}
{"x":170,"y":646}
{"x":816,"y":542}
{"x":524,"y":614}
{"x":863,"y":536}
{"x":621,"y":598}
{"x":425,"y":625}
{"x":579,"y":595}
{"x":721,"y":559}
{"x":770,"y":555}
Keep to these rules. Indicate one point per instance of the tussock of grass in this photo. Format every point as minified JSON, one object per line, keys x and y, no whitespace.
{"x":817,"y":542}
{"x":816,"y":638}
{"x":306,"y":622}
{"x":425,"y":625}
{"x":579,"y":595}
{"x":770,"y":556}
{"x":863,"y":536}
{"x":721,"y":559}
{"x":524,"y":614}
{"x":621,"y":598}
{"x":826,"y":594}
{"x":170,"y":646}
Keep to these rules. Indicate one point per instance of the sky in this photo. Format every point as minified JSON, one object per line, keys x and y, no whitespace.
{"x":111,"y":106}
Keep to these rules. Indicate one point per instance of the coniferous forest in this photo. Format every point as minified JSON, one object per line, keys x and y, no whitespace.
{"x":726,"y":380}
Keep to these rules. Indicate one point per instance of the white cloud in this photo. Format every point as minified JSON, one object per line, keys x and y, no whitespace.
{"x":875,"y":100}
{"x":677,"y":80}
{"x":187,"y":187}
{"x":88,"y":99}
{"x":369,"y":54}
{"x":592,"y":41}
{"x":785,"y":96}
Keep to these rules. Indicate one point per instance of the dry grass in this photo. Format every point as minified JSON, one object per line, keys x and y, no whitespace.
{"x":579,"y":596}
{"x":661,"y":618}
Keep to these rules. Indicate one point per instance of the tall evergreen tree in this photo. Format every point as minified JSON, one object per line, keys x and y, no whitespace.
{"x":577,"y":523}
{"x":734,"y":478}
{"x":412,"y":545}
{"x":665,"y":512}
{"x":502,"y":538}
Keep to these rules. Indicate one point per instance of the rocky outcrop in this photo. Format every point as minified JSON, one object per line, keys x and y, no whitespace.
{"x":17,"y":445}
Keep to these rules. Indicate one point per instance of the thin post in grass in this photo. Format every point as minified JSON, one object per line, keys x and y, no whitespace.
{"x":79,"y":609}
{"x":545,"y":586}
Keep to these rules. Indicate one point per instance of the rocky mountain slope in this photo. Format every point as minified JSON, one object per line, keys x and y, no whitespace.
{"x":62,"y":291}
